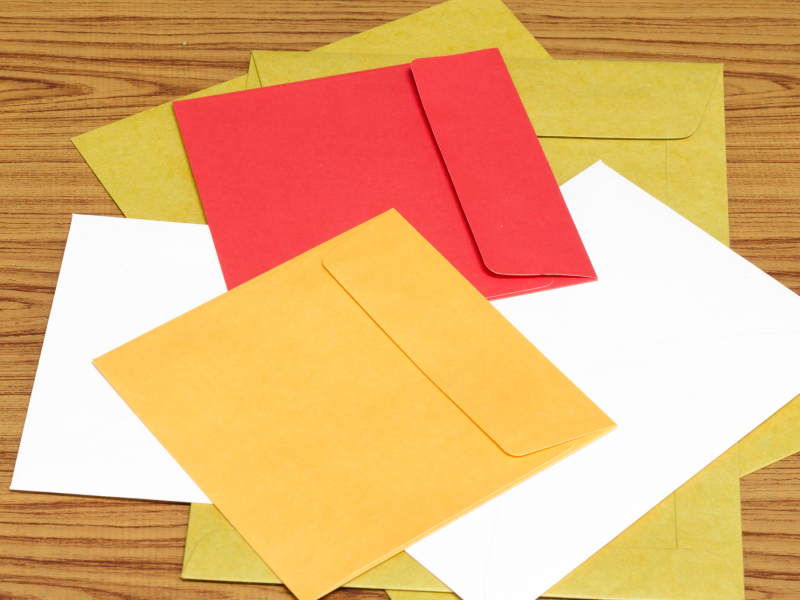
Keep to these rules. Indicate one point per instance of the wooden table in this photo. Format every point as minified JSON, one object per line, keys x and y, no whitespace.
{"x":70,"y":66}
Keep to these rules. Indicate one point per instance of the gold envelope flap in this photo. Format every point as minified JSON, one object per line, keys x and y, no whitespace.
{"x":614,"y":100}
{"x":663,"y":99}
{"x":564,"y":98}
{"x":527,"y":405}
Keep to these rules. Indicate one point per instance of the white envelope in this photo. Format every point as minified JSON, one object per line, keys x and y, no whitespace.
{"x":686,"y":345}
{"x":119,"y":279}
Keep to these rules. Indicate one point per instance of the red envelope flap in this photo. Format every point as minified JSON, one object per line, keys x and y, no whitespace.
{"x":504,"y":183}
{"x":282,"y":169}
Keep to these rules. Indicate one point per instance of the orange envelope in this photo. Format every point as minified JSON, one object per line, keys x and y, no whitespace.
{"x":351,"y":401}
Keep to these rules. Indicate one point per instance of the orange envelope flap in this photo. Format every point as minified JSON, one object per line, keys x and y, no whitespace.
{"x":522,"y":406}
{"x":304,"y":373}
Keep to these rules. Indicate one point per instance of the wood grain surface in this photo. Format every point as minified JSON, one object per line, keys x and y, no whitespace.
{"x":70,"y":66}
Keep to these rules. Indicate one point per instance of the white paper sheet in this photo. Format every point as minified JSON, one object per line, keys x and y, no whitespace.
{"x":685,"y":344}
{"x":119,"y":279}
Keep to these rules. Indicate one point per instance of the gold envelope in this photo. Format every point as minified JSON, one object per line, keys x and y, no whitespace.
{"x":322,"y":405}
{"x":141,"y":161}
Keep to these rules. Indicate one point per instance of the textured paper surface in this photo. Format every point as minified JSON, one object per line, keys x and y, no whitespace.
{"x":141,"y":161}
{"x":330,"y":373}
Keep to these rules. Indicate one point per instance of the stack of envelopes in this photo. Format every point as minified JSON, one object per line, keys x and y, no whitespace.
{"x":354,"y":320}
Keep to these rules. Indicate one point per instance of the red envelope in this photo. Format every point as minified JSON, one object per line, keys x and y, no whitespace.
{"x":445,"y":141}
